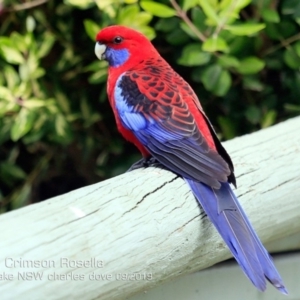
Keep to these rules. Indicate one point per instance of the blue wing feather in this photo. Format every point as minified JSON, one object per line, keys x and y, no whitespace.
{"x":163,"y":136}
{"x":236,"y":230}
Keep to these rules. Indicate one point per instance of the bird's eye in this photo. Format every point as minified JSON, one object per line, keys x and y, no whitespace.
{"x":118,"y":40}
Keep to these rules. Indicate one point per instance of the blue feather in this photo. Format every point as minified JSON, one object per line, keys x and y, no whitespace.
{"x":136,"y":121}
{"x":116,"y":57}
{"x":225,"y":212}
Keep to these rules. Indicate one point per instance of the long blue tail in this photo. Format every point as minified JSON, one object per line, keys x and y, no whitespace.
{"x":225,"y":212}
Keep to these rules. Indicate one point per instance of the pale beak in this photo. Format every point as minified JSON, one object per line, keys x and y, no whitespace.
{"x":100,"y":50}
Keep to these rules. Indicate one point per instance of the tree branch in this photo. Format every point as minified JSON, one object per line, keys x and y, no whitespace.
{"x":181,"y":14}
{"x":27,"y":5}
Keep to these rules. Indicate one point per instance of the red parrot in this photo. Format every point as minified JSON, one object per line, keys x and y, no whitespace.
{"x":160,"y":114}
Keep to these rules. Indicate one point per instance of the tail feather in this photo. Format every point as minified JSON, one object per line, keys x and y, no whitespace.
{"x":225,"y":212}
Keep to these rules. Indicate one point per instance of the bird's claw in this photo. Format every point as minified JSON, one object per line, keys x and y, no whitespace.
{"x":145,"y":163}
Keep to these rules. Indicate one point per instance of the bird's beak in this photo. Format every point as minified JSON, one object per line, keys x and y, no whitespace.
{"x":100,"y":50}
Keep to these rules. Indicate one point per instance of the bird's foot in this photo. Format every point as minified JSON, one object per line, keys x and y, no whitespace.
{"x":145,"y":163}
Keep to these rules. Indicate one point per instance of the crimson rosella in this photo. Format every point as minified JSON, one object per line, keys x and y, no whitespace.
{"x":160,"y":114}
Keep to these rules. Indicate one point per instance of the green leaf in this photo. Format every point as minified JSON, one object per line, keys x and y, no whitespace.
{"x":5,"y":126}
{"x":188,"y":4}
{"x":11,"y":172}
{"x":198,"y":18}
{"x":147,"y":31}
{"x":210,"y":12}
{"x":230,"y":10}
{"x":85,"y":109}
{"x":21,"y":196}
{"x":291,"y":58}
{"x":292,"y":108}
{"x":11,"y":76}
{"x":167,"y":25}
{"x":158,"y":9}
{"x":23,"y":90}
{"x":193,"y":56}
{"x":30,"y":70}
{"x":7,"y":108}
{"x":91,"y":28}
{"x":245,"y":29}
{"x":22,"y":123}
{"x":215,"y":44}
{"x":224,"y":84}
{"x":107,"y":6}
{"x":11,"y":54}
{"x":268,"y":119}
{"x":216,"y":80}
{"x":188,"y":30}
{"x":98,"y":77}
{"x":253,"y":114}
{"x":210,"y":76}
{"x":5,"y":94}
{"x":290,"y":7}
{"x":177,"y":37}
{"x":270,"y":15}
{"x":19,"y":42}
{"x":274,"y":63}
{"x":250,"y":65}
{"x":250,"y":82}
{"x":37,"y":73}
{"x":127,"y":14}
{"x":142,"y":18}
{"x":228,"y":61}
{"x":61,"y":125}
{"x":30,"y":24}
{"x":83,"y":4}
{"x":34,"y":103}
{"x":132,"y":16}
{"x":46,"y":45}
{"x":297,"y":48}
{"x":236,"y":6}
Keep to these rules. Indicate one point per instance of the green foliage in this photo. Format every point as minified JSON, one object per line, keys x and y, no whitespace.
{"x":158,"y":9}
{"x":57,"y":131}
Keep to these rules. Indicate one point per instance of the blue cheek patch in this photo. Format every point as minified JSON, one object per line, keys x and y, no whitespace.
{"x":116,"y":58}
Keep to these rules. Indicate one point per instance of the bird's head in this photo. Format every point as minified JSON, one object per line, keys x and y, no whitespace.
{"x":121,"y":45}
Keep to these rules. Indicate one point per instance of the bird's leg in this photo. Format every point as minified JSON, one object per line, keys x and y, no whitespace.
{"x":145,"y":163}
